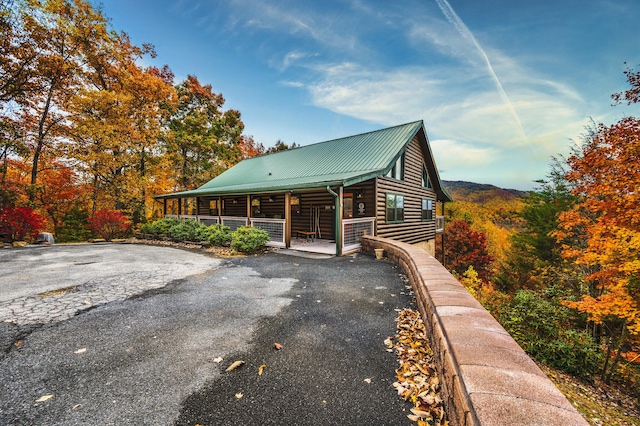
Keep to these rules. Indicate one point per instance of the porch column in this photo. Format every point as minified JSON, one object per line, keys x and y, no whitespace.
{"x":164,"y":208}
{"x":339,"y":221}
{"x":287,"y":219}
{"x":198,"y":209}
{"x":248,"y":209}
{"x":220,"y":209}
{"x":179,"y":207}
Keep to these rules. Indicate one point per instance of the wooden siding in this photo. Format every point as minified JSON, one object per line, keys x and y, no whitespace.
{"x":304,"y":221}
{"x":271,"y":206}
{"x":366,"y":190}
{"x":203,"y":207}
{"x":235,"y":206}
{"x":413,"y":229}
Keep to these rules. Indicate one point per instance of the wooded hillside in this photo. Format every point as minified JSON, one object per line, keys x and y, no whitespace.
{"x":84,"y":128}
{"x":518,"y":253}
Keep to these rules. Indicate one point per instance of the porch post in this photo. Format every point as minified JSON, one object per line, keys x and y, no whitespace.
{"x":248,"y":209}
{"x":287,"y":219}
{"x":179,"y":207}
{"x":164,"y":208}
{"x":220,"y":209}
{"x":198,"y":209}
{"x":339,"y":221}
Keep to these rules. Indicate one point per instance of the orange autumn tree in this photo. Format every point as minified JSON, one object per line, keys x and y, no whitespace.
{"x":602,"y":232}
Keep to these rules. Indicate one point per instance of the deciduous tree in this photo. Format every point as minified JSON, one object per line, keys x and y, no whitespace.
{"x":204,"y":140}
{"x":602,"y":231}
{"x":465,"y":247}
{"x":62,"y":31}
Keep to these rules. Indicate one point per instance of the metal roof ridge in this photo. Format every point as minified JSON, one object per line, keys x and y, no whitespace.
{"x":341,"y":138}
{"x":364,"y":133}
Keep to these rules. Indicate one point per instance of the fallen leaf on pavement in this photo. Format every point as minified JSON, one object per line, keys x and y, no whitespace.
{"x":18,"y":343}
{"x":417,"y":379}
{"x":234,"y":365}
{"x":44,"y":398}
{"x":80,"y":351}
{"x":239,"y":395}
{"x":367,"y":380}
{"x":76,"y":407}
{"x":218,"y":359}
{"x":277,"y":345}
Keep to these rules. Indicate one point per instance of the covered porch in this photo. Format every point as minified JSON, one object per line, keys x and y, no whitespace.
{"x":319,"y":221}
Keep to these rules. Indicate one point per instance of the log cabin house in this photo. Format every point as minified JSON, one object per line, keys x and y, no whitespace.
{"x":323,"y":197}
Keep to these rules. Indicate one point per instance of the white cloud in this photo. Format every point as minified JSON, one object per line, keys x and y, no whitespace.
{"x":295,"y":84}
{"x":477,"y":101}
{"x":451,"y":154}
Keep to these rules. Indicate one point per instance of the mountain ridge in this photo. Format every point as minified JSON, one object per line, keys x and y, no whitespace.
{"x":479,"y":192}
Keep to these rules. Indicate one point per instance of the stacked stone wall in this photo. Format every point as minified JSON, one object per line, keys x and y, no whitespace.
{"x":486,"y":378}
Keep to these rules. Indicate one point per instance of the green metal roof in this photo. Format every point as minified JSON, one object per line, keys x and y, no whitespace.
{"x":339,"y":162}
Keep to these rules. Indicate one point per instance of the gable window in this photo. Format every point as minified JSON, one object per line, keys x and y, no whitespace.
{"x":427,"y":209}
{"x":395,"y":208}
{"x":397,"y":171}
{"x":426,"y":182}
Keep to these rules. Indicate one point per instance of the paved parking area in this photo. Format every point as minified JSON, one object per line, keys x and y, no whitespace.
{"x":157,"y":356}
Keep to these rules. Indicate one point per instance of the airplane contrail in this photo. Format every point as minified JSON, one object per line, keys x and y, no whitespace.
{"x":455,"y":20}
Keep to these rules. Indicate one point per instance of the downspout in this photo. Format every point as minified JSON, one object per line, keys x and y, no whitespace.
{"x":337,"y":220}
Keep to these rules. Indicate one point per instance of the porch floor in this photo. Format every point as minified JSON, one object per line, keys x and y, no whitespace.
{"x":317,"y":246}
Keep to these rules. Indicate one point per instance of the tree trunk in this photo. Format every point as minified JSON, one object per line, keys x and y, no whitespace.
{"x":40,"y":140}
{"x":606,"y":357}
{"x":616,"y":360}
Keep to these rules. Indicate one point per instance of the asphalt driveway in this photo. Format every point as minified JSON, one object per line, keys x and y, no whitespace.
{"x":158,"y":357}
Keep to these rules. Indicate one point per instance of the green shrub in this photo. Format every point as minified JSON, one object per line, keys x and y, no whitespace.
{"x":248,"y":240}
{"x":147,"y":228}
{"x":186,"y":230}
{"x":162,"y":226}
{"x":219,"y":235}
{"x":543,"y":328}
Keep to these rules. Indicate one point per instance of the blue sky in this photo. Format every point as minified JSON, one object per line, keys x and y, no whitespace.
{"x":502,"y":85}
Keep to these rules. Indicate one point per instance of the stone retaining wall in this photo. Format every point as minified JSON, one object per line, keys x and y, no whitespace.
{"x":487,"y":379}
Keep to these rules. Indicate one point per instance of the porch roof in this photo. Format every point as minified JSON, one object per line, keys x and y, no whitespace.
{"x":339,"y":162}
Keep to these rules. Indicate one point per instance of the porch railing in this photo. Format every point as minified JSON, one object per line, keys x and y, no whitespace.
{"x":353,"y":230}
{"x":208,"y":220}
{"x":275,"y":229}
{"x":439,"y":223}
{"x":234,"y":222}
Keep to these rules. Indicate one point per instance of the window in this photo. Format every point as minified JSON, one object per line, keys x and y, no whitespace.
{"x":427,"y":209}
{"x":255,"y":205}
{"x":397,"y":171}
{"x":395,"y":208}
{"x":426,"y":182}
{"x":347,"y":206}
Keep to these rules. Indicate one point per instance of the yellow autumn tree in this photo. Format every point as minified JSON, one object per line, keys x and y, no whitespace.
{"x":602,"y":231}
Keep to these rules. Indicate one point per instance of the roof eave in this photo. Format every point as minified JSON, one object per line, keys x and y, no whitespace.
{"x":254,"y":190}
